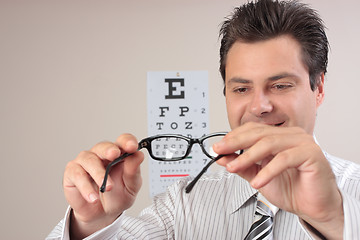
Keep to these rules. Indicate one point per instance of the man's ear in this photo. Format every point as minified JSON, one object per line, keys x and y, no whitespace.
{"x":320,"y":91}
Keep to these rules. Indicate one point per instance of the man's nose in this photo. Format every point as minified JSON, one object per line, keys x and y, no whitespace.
{"x":260,"y":104}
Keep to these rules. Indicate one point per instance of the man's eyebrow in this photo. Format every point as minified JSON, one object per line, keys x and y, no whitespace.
{"x":239,"y":80}
{"x":272,"y":78}
{"x":282,"y":75}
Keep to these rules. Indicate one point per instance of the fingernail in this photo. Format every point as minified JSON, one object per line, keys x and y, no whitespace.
{"x":219,"y":145}
{"x":92,"y":197}
{"x":131,"y":144}
{"x":112,"y":152}
{"x":108,"y":183}
{"x":255,"y":183}
{"x":229,"y":166}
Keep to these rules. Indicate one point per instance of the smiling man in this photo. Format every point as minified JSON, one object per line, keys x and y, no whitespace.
{"x":273,"y":60}
{"x":268,"y":82}
{"x":267,"y":86}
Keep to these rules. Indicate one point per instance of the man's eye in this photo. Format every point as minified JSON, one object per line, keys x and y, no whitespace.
{"x":282,"y":86}
{"x":241,"y":90}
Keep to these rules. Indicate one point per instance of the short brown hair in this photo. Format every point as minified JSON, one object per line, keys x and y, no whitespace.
{"x":266,"y":19}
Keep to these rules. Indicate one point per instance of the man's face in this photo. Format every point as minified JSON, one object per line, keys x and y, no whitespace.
{"x":267,"y":82}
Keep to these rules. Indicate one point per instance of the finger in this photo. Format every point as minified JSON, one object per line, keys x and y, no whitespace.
{"x":94,"y":167}
{"x":291,"y":158}
{"x":243,"y":136}
{"x":226,"y":159}
{"x":127,"y":142}
{"x":106,"y":150}
{"x":248,"y":173}
{"x":248,"y":134}
{"x":264,"y":149}
{"x":78,"y":185}
{"x":132,"y":173}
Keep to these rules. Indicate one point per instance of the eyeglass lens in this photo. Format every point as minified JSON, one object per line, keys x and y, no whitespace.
{"x":175,"y":148}
{"x":169,"y":148}
{"x":207,"y":144}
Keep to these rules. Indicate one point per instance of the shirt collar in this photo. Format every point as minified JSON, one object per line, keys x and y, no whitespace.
{"x":241,"y":194}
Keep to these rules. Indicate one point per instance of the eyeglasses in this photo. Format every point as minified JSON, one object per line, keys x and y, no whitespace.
{"x":173,"y":147}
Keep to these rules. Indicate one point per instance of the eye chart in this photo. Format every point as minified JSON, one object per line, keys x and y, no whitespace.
{"x":178,"y":103}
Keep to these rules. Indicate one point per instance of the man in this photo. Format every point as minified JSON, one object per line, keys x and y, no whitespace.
{"x":273,"y":60}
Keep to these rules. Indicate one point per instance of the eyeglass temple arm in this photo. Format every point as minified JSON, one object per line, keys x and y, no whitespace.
{"x":190,"y":186}
{"x":142,"y":144}
{"x":108,"y":168}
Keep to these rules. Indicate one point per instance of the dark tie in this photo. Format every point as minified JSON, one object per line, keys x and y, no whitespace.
{"x":262,"y":228}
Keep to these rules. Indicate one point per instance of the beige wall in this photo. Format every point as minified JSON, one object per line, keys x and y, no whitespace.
{"x":74,"y":73}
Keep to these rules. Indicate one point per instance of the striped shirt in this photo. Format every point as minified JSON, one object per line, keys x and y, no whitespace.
{"x":221,"y":206}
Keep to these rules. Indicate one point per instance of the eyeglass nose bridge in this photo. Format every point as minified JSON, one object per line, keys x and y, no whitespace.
{"x":190,"y":145}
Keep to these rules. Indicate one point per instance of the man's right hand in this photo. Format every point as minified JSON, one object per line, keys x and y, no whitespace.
{"x":92,"y":210}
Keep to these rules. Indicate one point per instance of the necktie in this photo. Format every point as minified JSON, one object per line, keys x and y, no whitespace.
{"x":262,"y":228}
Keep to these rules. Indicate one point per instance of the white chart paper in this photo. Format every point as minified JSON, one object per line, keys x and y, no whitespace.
{"x":178,"y":103}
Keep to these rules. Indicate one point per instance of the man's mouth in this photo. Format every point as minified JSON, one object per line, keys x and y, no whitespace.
{"x":278,"y":124}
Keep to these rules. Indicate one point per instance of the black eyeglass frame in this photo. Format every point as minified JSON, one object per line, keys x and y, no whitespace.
{"x":146,"y":143}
